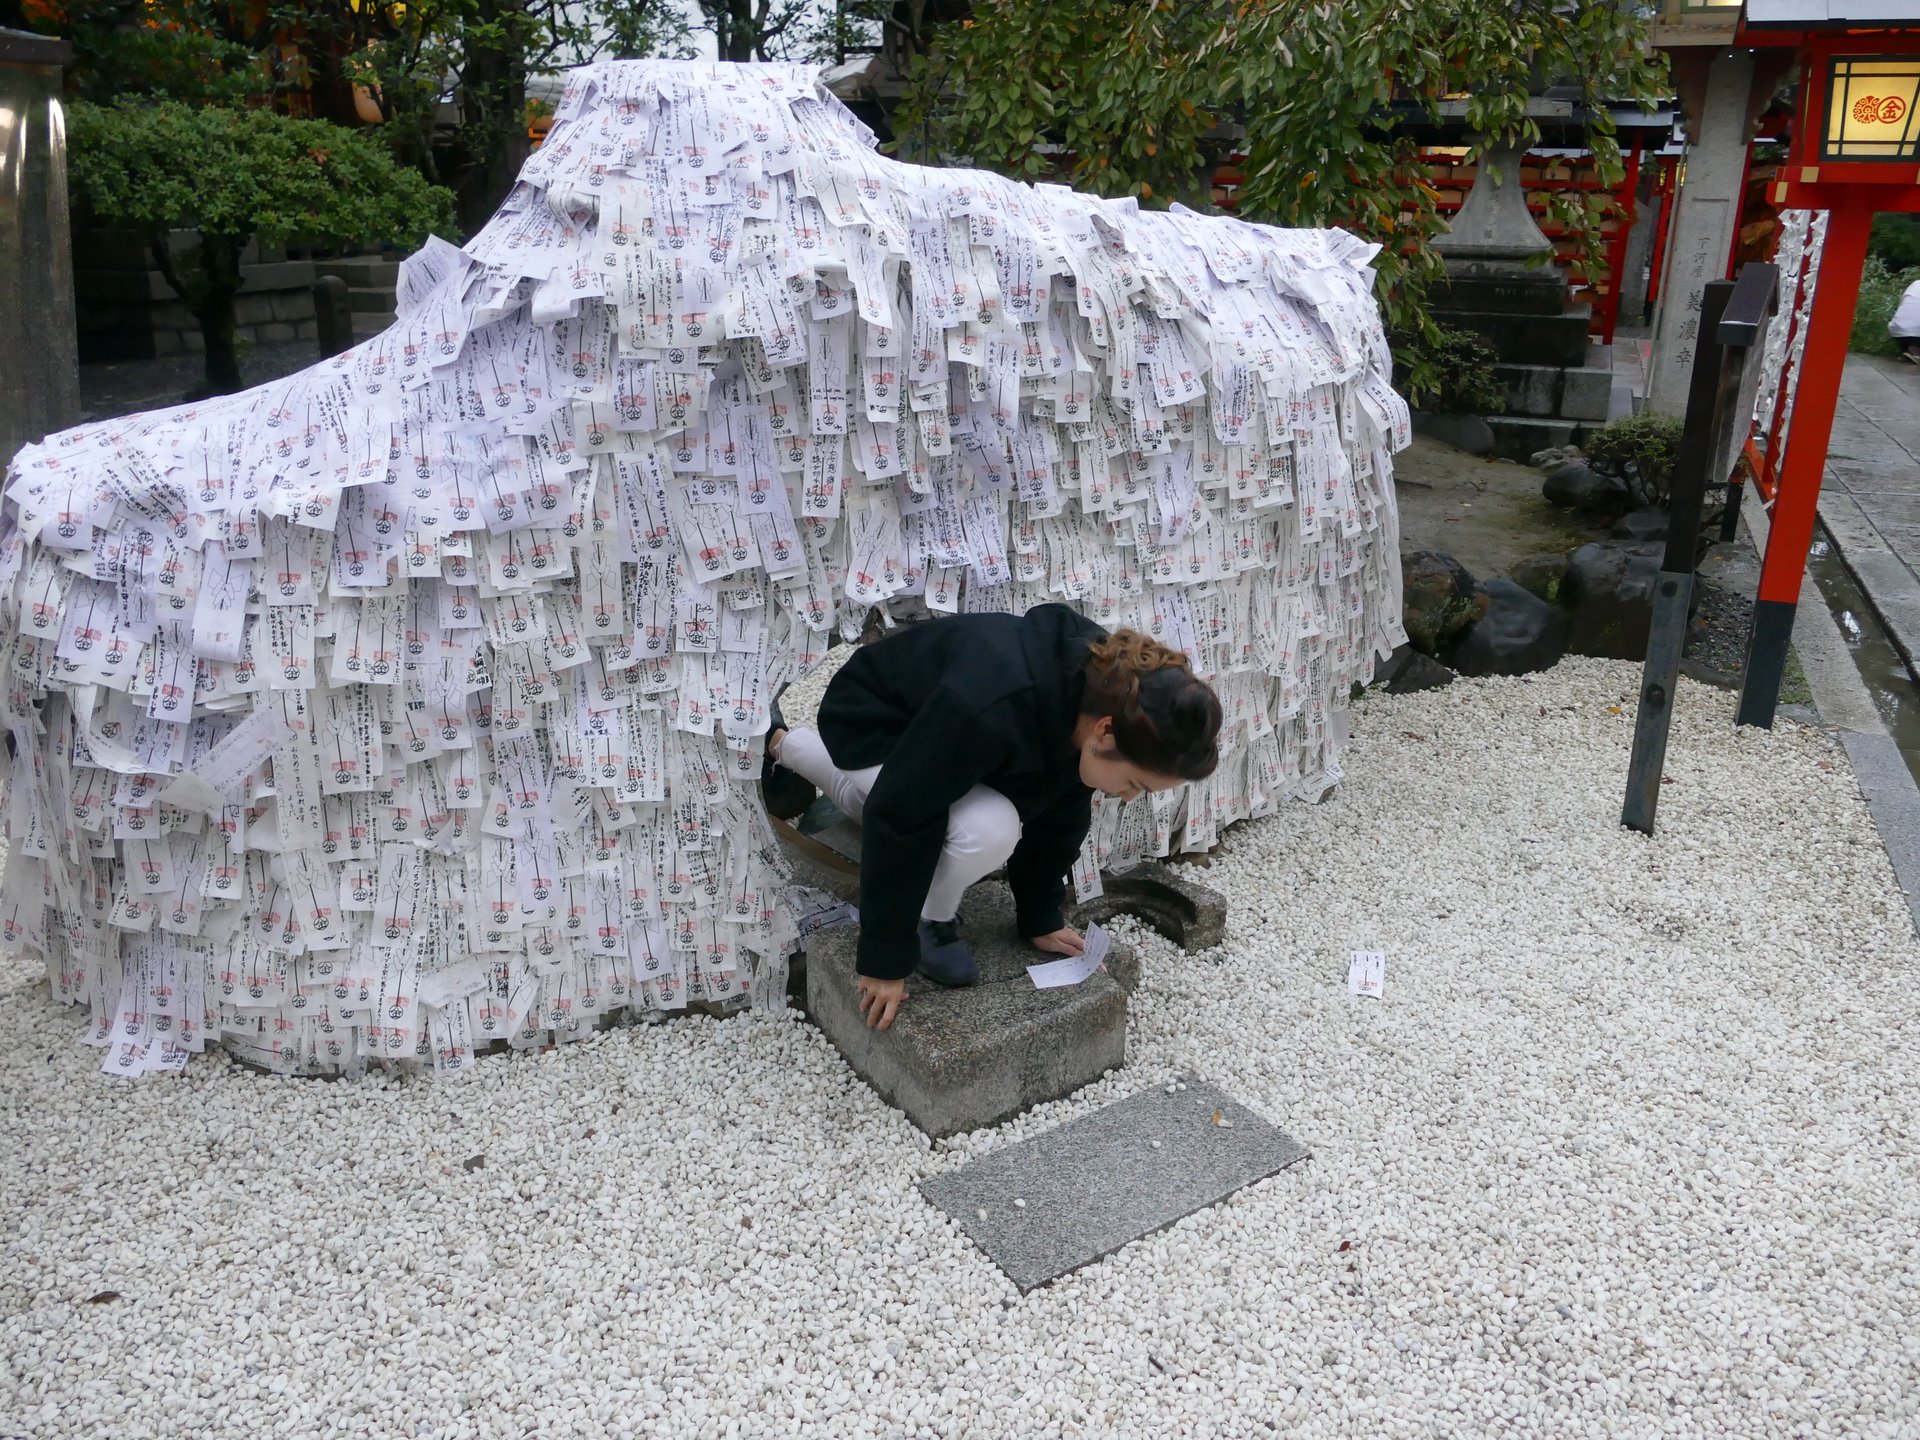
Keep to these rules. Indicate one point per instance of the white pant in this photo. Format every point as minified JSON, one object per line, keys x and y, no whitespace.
{"x":982,"y":825}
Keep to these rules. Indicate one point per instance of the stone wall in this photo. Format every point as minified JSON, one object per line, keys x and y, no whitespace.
{"x":127,"y":311}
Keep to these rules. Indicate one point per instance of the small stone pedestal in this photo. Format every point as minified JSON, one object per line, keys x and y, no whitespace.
{"x":1502,"y":286}
{"x":957,"y":1060}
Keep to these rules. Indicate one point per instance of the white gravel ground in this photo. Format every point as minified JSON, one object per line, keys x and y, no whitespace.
{"x":1628,"y":1148}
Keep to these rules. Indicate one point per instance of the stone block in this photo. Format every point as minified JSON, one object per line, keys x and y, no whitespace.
{"x":281,"y":275}
{"x":99,"y":248}
{"x":193,"y":342}
{"x":1463,"y":432}
{"x":1585,"y":394}
{"x":168,"y":342}
{"x":367,"y":271}
{"x":957,"y":1060}
{"x":252,"y":310}
{"x":1531,"y":389}
{"x":278,"y":332}
{"x":96,"y":287}
{"x":1515,"y":437}
{"x":90,"y":317}
{"x":1527,"y":339}
{"x":306,"y":330}
{"x":1185,"y":911}
{"x":372,"y":302}
{"x":1544,"y":294}
{"x":1095,"y":1184}
{"x":292,"y":305}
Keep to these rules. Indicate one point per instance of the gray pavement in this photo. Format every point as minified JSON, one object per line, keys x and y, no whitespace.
{"x":1870,"y":500}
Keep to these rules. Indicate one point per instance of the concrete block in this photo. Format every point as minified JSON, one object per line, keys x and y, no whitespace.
{"x":1095,"y":1184}
{"x":1585,"y":394}
{"x":958,"y":1060}
{"x":306,"y":330}
{"x":252,"y":310}
{"x":277,"y":333}
{"x":1527,"y":339}
{"x":1515,"y":437}
{"x":1531,"y":389}
{"x":1185,"y":911}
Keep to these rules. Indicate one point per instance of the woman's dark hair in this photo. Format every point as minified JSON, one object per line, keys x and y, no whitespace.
{"x":1166,"y":719}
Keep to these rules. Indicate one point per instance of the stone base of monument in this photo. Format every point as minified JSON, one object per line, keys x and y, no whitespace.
{"x":958,"y":1060}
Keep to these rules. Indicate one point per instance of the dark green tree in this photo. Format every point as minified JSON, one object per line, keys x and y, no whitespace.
{"x":231,"y":176}
{"x":1138,"y":97}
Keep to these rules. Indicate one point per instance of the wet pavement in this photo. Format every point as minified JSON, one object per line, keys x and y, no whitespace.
{"x":1870,"y":501}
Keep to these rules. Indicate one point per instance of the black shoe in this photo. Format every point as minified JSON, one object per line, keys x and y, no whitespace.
{"x":944,"y":957}
{"x":785,"y":793}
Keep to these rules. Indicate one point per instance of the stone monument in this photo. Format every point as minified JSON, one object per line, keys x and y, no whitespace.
{"x":1502,"y":286}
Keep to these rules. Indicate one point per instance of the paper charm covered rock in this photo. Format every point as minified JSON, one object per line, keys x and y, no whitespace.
{"x":416,"y":701}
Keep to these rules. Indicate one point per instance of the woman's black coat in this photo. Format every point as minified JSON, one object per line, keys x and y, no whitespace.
{"x":970,"y":700}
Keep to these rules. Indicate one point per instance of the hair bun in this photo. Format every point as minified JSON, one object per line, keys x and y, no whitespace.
{"x":1165,"y":718}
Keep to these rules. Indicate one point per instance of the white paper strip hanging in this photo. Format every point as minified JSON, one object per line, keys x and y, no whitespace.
{"x":415,"y":702}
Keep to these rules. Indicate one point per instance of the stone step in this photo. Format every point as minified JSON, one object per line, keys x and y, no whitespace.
{"x":1557,"y":392}
{"x":1544,"y":293}
{"x":1515,"y":437}
{"x":371,"y":272}
{"x":959,"y":1060}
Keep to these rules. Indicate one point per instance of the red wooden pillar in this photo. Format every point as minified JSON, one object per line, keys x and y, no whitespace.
{"x":1626,"y":210}
{"x":1797,"y":501}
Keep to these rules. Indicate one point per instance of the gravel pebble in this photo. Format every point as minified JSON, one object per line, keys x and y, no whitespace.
{"x":1629,"y":1150}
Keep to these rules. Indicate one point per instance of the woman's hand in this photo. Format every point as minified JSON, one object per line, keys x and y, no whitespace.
{"x":1064,"y":941}
{"x":880,"y":1000}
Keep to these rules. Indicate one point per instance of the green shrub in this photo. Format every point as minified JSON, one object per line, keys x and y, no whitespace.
{"x":232,"y":175}
{"x":1641,"y":450}
{"x":1896,"y":240}
{"x":1450,"y":373}
{"x":1880,"y":292}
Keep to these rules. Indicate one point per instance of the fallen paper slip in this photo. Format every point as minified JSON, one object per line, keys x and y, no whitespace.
{"x":1367,"y":973}
{"x":1075,"y":968}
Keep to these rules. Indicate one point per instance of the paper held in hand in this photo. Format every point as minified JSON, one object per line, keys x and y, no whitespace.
{"x":1075,"y":968}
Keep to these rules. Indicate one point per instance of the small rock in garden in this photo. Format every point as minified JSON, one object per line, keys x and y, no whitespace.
{"x":1608,"y":594}
{"x":1578,"y":486}
{"x":1541,"y":575}
{"x":1520,"y":634}
{"x":1441,"y":599}
{"x":1555,"y":455}
{"x":1642,"y":526}
{"x":1388,"y":670}
{"x":1421,"y":672}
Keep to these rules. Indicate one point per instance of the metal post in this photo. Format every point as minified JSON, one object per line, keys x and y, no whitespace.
{"x":1732,"y":318}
